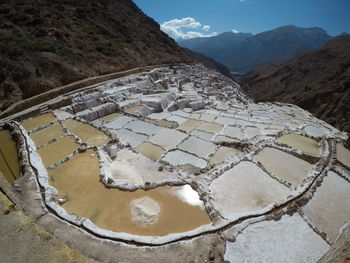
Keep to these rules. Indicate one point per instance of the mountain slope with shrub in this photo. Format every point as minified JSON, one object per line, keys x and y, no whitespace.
{"x":214,"y":47}
{"x":49,"y":43}
{"x":209,"y":63}
{"x":318,"y":81}
{"x":243,"y":52}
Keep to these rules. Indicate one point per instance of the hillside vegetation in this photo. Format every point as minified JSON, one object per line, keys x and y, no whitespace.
{"x":48,"y":43}
{"x":242,"y":52}
{"x":318,"y":81}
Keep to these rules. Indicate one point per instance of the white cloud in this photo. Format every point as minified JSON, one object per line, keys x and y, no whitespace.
{"x":176,"y":28}
{"x":206,"y":28}
{"x":191,"y":34}
{"x":187,"y":22}
{"x":234,"y":31}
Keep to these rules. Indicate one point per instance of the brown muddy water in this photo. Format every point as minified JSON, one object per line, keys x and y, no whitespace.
{"x":150,"y":151}
{"x":86,"y":132}
{"x":38,"y":121}
{"x":180,"y":208}
{"x":9,"y":163}
{"x":301,"y":143}
{"x":46,"y":135}
{"x":57,"y":150}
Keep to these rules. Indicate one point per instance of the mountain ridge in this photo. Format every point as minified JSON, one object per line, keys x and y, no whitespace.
{"x":212,"y":46}
{"x":318,"y":81}
{"x":254,"y":50}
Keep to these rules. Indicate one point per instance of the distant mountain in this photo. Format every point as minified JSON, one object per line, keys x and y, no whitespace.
{"x":318,"y":81}
{"x":209,"y":63}
{"x":243,"y":52}
{"x":214,"y":46}
{"x":48,"y":43}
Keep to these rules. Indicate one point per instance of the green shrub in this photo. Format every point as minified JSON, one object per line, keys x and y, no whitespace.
{"x":20,"y":74}
{"x":39,"y":45}
{"x":107,"y":51}
{"x":13,"y":47}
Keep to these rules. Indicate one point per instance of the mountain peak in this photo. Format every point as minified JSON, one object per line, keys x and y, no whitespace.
{"x":242,"y":52}
{"x":295,"y":29}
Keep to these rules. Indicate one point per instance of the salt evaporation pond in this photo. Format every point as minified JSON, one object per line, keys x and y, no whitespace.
{"x":57,"y":150}
{"x":157,"y":212}
{"x":180,"y":207}
{"x":86,"y":132}
{"x":38,"y":121}
{"x":46,"y":135}
{"x":9,"y":164}
{"x":261,"y":175}
{"x":301,"y":143}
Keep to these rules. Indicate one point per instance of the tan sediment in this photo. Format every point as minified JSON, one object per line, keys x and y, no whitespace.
{"x":343,"y":155}
{"x":189,"y":125}
{"x":150,"y":151}
{"x":284,"y":166}
{"x":57,"y":150}
{"x":165,"y":123}
{"x":110,"y":208}
{"x":86,"y":132}
{"x":301,"y":143}
{"x":38,"y":121}
{"x":9,"y":163}
{"x":222,"y":154}
{"x":110,"y":117}
{"x":43,"y":136}
{"x":210,"y":127}
{"x":233,"y":132}
{"x":134,"y":109}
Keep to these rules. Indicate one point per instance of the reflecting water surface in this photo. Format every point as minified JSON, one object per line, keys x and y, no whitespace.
{"x":87,"y":133}
{"x":180,"y":208}
{"x":38,"y":121}
{"x":9,"y":163}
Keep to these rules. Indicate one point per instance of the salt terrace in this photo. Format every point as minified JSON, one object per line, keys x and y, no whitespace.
{"x":176,"y":164}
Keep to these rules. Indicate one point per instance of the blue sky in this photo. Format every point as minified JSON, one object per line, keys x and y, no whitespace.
{"x":252,"y":16}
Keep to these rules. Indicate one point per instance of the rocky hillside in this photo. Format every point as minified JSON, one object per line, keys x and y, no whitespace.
{"x":209,"y":63}
{"x":318,"y":81}
{"x":48,"y":43}
{"x":214,"y":47}
{"x":243,"y":52}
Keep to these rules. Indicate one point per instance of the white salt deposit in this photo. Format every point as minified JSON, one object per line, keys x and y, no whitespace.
{"x":123,"y":172}
{"x":144,"y":211}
